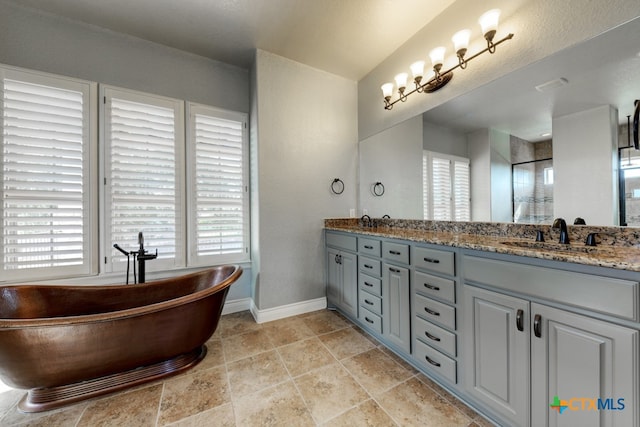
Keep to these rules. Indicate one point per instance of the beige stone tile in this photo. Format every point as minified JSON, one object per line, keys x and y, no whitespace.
{"x":330,"y":391}
{"x":134,"y":408}
{"x":398,"y":359}
{"x":375,"y":371}
{"x":237,"y":347}
{"x":276,"y":406}
{"x":63,"y":417}
{"x":8,"y":399}
{"x":325,"y":321}
{"x":346,"y":343}
{"x":190,"y":394}
{"x":236,"y":323}
{"x":413,"y":403}
{"x":287,"y":331}
{"x":367,"y":414}
{"x":220,"y":416}
{"x":256,"y":373}
{"x":214,"y":357}
{"x":304,"y":356}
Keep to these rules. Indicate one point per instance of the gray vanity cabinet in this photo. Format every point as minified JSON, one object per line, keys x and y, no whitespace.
{"x":520,"y":353}
{"x":342,"y":272}
{"x":395,"y":297}
{"x":497,"y":352}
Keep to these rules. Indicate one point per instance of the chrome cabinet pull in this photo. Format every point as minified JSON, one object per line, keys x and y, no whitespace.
{"x":431,"y":337}
{"x":433,"y":288}
{"x":431,"y":312}
{"x":433,"y":362}
{"x":432,"y":260}
{"x":520,"y":320}
{"x":537,"y":326}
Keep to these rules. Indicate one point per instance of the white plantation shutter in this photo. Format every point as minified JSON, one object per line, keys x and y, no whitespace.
{"x":217,"y":149}
{"x":461,"y":191}
{"x":47,"y":130}
{"x":143,"y":165}
{"x":446,"y":187}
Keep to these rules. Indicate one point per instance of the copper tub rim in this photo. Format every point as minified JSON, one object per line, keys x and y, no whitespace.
{"x":126,"y":313}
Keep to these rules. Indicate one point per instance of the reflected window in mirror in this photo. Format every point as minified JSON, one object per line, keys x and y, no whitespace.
{"x":445,"y":185}
{"x":629,"y":187}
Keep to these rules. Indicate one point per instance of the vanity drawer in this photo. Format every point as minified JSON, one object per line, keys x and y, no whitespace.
{"x":369,"y":266}
{"x":369,"y":246}
{"x":433,"y":286}
{"x":370,"y":284}
{"x":435,"y":311}
{"x":370,"y":319}
{"x":370,"y":302}
{"x":434,"y":260}
{"x":395,"y":252}
{"x":433,"y":360}
{"x":435,"y":336}
{"x":341,"y":241}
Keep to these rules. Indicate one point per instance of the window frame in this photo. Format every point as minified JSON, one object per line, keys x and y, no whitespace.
{"x":193,"y":259}
{"x":89,"y":90}
{"x":113,"y":261}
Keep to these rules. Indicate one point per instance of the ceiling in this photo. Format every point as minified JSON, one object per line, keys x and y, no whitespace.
{"x":344,"y":37}
{"x":351,"y":37}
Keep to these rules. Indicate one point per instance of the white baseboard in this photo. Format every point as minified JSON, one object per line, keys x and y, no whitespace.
{"x":275,"y":313}
{"x":237,"y":305}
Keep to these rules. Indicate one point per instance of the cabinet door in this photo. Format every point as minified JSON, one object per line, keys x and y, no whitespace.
{"x":334,"y":273}
{"x":395,"y":312}
{"x":349,"y":291}
{"x":580,"y":360}
{"x":496,"y":353}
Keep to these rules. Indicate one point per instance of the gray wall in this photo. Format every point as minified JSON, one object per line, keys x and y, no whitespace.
{"x":39,"y":41}
{"x":305,"y":136}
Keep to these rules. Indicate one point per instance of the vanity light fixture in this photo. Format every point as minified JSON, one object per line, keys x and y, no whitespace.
{"x":489,"y":24}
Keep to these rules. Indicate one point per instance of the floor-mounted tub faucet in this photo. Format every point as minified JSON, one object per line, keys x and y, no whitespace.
{"x":142,"y":256}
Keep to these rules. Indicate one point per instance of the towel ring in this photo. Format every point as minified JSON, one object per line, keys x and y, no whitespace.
{"x":378,"y":189}
{"x":337,"y":186}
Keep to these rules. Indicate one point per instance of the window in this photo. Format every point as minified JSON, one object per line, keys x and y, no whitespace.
{"x":446,"y":192}
{"x":47,"y":151}
{"x":217,"y":183}
{"x":143,"y":139}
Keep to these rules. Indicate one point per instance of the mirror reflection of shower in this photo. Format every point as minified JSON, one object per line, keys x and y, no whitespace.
{"x":532,"y":181}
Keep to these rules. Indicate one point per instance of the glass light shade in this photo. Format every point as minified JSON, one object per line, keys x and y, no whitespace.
{"x":437,"y":56}
{"x":417,"y":69}
{"x":387,"y":89}
{"x":401,"y":80}
{"x":489,"y":21}
{"x":461,"y":40}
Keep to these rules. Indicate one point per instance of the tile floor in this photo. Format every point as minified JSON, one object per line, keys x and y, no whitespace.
{"x":316,"y":369}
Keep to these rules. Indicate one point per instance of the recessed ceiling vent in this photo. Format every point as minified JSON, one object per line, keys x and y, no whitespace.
{"x":552,"y":84}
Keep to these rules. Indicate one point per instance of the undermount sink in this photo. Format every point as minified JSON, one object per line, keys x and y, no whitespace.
{"x":551,"y":246}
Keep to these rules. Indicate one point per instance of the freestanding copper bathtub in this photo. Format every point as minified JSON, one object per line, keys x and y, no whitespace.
{"x":69,"y":343}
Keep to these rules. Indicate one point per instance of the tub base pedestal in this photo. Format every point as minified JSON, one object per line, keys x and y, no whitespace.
{"x":44,"y":399}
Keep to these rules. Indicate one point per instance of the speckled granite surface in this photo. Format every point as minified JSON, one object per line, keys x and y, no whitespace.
{"x":618,"y":247}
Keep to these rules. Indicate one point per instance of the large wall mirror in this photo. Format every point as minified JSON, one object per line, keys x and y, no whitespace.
{"x":545,"y":141}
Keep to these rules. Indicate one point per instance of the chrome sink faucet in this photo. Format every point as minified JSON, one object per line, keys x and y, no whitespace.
{"x":564,"y":233}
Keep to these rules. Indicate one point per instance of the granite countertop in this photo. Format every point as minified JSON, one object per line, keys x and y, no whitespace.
{"x":622,"y":256}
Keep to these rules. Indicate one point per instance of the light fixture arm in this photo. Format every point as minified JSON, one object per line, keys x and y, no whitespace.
{"x":442,"y":78}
